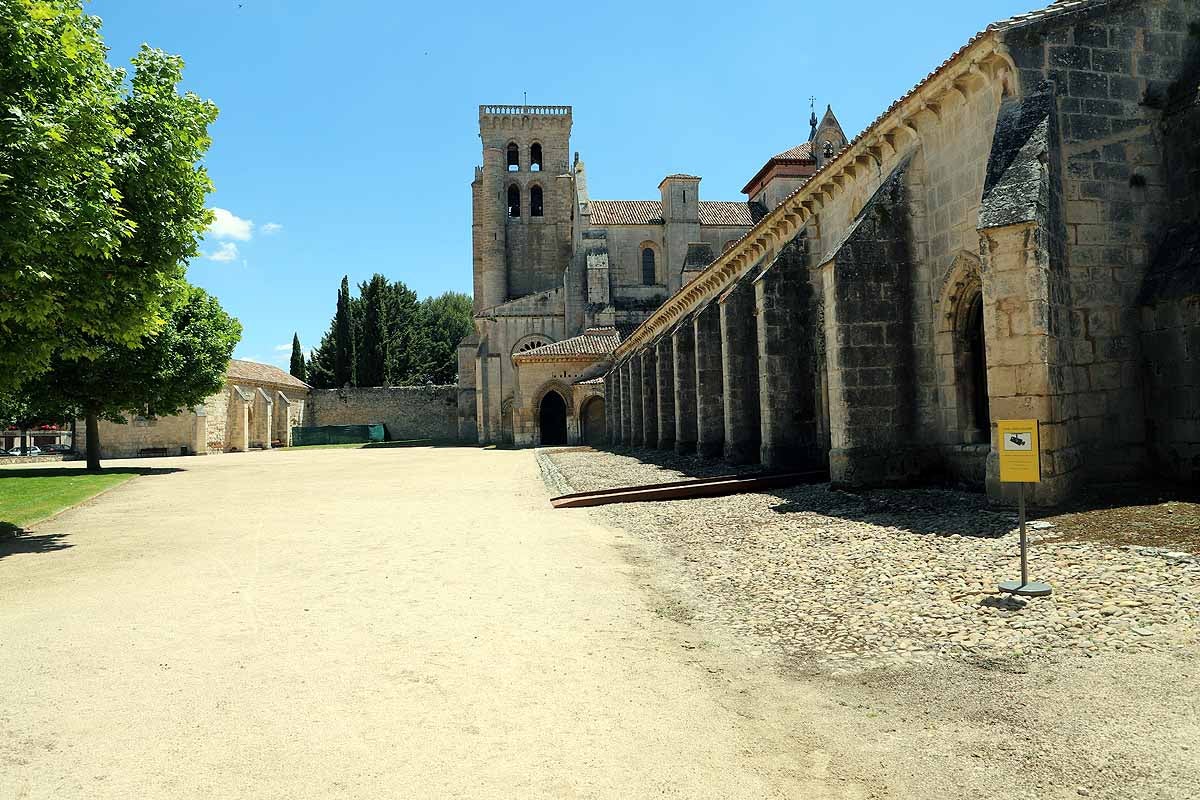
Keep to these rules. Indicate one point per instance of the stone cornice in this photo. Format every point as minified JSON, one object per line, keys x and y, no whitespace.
{"x":973,"y":66}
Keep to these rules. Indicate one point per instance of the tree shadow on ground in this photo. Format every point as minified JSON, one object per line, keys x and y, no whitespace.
{"x":56,"y":471}
{"x":15,"y":540}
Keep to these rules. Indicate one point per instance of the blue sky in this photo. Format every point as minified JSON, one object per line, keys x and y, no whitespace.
{"x":348,"y":132}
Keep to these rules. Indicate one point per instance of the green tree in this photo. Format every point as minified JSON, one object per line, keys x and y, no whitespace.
{"x":101,"y":198}
{"x":343,"y":338}
{"x":178,"y":366}
{"x":405,"y":349}
{"x":320,"y":362}
{"x":371,"y":347}
{"x":448,"y":318}
{"x":297,"y":368}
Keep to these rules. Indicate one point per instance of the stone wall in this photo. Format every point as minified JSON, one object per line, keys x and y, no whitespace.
{"x":992,"y":236}
{"x":406,"y":412}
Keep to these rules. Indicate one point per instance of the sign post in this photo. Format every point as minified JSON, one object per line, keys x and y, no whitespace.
{"x":1020,"y":463}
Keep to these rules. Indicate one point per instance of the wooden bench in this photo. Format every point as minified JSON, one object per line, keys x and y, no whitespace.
{"x":152,"y":451}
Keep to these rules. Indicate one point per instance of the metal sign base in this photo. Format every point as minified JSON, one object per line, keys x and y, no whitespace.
{"x":1024,"y":587}
{"x":1033,"y":589}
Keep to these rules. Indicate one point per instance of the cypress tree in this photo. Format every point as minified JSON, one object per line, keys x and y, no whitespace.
{"x":343,"y":339}
{"x":297,"y":368}
{"x":372,"y":343}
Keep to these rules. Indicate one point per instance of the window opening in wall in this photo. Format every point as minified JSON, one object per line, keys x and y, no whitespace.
{"x":514,"y":201}
{"x":532,"y":344}
{"x":535,"y":158}
{"x":535,"y":201}
{"x":977,"y":368}
{"x":514,"y":157}
{"x":828,"y":149}
{"x":648,"y":271}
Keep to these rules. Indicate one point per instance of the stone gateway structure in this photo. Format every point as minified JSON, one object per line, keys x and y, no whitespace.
{"x":1017,"y":237}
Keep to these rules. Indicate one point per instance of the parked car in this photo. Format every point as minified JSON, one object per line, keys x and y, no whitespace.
{"x":29,"y":451}
{"x":57,"y":448}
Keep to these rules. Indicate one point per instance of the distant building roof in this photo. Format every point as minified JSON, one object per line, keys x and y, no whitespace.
{"x":255,"y":372}
{"x":590,"y":343}
{"x":649,"y":212}
{"x":801,"y":154}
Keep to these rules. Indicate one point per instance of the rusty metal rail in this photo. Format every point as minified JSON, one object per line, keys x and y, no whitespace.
{"x":684,"y":490}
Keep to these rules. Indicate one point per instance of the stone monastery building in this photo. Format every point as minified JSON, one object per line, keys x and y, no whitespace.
{"x":256,"y":408}
{"x":1016,"y":237}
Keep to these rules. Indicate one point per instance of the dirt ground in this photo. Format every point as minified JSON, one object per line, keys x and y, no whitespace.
{"x":420,"y":623}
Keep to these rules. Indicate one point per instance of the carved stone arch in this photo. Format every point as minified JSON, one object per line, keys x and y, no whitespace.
{"x":531,"y":341}
{"x":962,"y":367}
{"x":555,"y":385}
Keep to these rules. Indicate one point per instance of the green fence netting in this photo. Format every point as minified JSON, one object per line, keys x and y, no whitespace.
{"x":337,"y":434}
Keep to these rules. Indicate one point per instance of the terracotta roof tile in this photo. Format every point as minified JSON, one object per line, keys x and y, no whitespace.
{"x":801,"y":152}
{"x":255,"y":372}
{"x":592,"y":342}
{"x":649,"y":212}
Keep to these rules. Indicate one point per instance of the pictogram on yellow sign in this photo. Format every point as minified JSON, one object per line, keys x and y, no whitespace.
{"x":1019,"y":453}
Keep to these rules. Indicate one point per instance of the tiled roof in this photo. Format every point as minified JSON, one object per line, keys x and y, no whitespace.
{"x":682,"y":175}
{"x":725,"y":213}
{"x":649,"y":212}
{"x":626,"y":212}
{"x":592,"y":342}
{"x":801,"y":152}
{"x":1057,"y":9}
{"x":261,"y":373}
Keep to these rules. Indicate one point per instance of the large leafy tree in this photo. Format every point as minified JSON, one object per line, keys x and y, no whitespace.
{"x":448,"y":319}
{"x":101,"y":198}
{"x":176,"y":367}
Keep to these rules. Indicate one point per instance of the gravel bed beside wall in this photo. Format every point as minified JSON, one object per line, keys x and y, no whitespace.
{"x":844,"y":582}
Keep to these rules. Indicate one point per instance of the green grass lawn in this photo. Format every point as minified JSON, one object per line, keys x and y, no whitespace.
{"x":29,"y":495}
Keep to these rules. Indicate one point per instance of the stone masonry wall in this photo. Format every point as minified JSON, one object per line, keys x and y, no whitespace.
{"x":407,"y":412}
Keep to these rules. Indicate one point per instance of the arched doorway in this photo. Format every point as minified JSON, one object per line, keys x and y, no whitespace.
{"x":595,"y":428}
{"x":975,"y":372}
{"x":552,"y":419}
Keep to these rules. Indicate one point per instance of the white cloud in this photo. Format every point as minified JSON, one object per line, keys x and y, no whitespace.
{"x":271,"y":228}
{"x":283,"y":348}
{"x":225,"y":253}
{"x":227,"y":225}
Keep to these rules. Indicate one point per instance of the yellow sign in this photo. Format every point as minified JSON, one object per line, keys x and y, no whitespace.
{"x":1019,"y":454}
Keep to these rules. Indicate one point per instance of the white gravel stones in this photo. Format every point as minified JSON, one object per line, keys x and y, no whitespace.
{"x":851,"y":581}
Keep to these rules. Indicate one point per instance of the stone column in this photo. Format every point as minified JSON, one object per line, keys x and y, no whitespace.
{"x":610,"y":410}
{"x":683,"y":346}
{"x":710,"y":382}
{"x":626,"y":394}
{"x":664,"y":359}
{"x":787,"y":362}
{"x":739,"y":354}
{"x":633,"y":376}
{"x":649,"y":398}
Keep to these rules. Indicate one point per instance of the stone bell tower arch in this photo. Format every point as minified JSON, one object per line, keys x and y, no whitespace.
{"x":522,"y":200}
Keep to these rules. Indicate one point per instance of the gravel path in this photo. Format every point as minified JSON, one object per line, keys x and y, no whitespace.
{"x":888,"y":601}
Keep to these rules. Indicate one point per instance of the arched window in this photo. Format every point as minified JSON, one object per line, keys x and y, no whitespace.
{"x":535,"y":157}
{"x":535,"y":201}
{"x":649,"y":276}
{"x":514,"y":157}
{"x":514,"y":200}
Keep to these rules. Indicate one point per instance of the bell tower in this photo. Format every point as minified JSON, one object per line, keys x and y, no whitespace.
{"x":521,"y":202}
